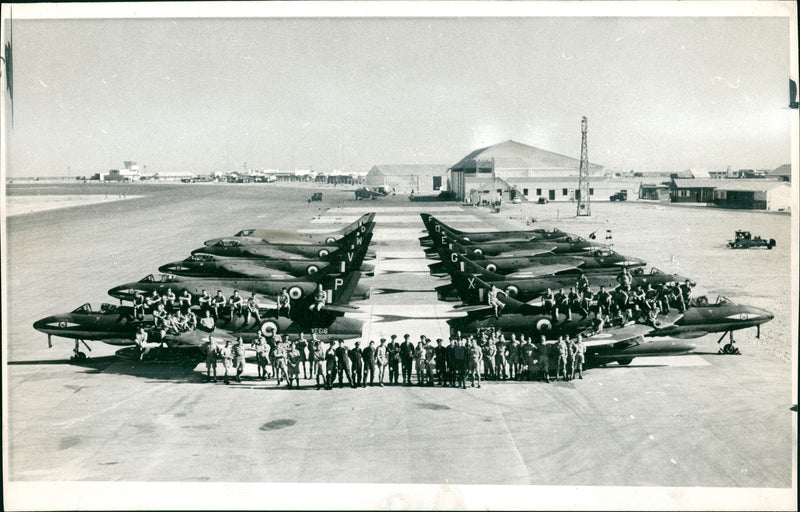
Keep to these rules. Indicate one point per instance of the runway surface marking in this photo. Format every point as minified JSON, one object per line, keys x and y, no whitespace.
{"x":398,"y":219}
{"x":382,"y":209}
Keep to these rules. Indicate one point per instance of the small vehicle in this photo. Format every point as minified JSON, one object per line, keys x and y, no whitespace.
{"x":744,"y":240}
{"x":542,"y":200}
{"x":316,"y":196}
{"x":517,"y":200}
{"x":622,"y":195}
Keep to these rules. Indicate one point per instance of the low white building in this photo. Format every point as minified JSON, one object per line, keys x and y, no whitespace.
{"x":409,"y":178}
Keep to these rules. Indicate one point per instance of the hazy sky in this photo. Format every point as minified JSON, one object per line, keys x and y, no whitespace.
{"x":211,"y":94}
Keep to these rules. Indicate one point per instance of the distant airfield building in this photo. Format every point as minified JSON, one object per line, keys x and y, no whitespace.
{"x":749,"y":194}
{"x":511,"y":170}
{"x":129,"y":173}
{"x":418,"y":179}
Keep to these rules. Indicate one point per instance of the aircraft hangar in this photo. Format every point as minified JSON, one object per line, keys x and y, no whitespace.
{"x":511,"y":169}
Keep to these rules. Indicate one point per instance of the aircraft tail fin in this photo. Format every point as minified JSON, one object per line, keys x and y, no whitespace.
{"x":355,"y":225}
{"x":435,"y":226}
{"x":343,"y":288}
{"x":349,"y":258}
{"x":475,"y":291}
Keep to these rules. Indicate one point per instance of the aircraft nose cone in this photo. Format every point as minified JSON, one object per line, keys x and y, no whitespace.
{"x":44,"y":325}
{"x":121,"y":292}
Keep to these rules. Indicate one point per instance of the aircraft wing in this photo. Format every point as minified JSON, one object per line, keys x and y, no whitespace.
{"x":543,"y":270}
{"x":339,"y":308}
{"x":615,"y":335}
{"x":526,"y":253}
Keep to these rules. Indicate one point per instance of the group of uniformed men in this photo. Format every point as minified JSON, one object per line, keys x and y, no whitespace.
{"x":489,"y":355}
{"x":618,"y":306}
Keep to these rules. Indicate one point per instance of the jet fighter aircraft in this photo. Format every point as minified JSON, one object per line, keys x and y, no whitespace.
{"x":520,"y":249}
{"x":525,"y":290}
{"x":436,"y":228}
{"x":619,"y":344}
{"x":600,"y":260}
{"x":265,"y":289}
{"x":256,"y":248}
{"x":275,"y":236}
{"x":117,"y":325}
{"x":210,"y":265}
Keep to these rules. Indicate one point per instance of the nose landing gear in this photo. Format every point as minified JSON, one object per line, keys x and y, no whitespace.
{"x":729,"y":348}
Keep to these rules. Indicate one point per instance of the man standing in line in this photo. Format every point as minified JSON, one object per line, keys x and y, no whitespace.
{"x":368,"y":356}
{"x":357,"y":365}
{"x":226,"y":353}
{"x":561,"y":352}
{"x":301,"y":345}
{"x":343,"y":364}
{"x":211,"y":358}
{"x":441,"y":362}
{"x":578,"y":358}
{"x":544,"y":359}
{"x":475,"y":357}
{"x":293,"y":364}
{"x":239,"y":358}
{"x":262,"y":355}
{"x":318,"y":356}
{"x":460,"y":357}
{"x":451,"y":361}
{"x":330,"y":366}
{"x":279,"y":360}
{"x":393,"y":352}
{"x":406,"y":358}
{"x":381,"y":360}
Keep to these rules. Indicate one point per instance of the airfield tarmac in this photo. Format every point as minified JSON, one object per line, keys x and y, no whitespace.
{"x":701,"y":420}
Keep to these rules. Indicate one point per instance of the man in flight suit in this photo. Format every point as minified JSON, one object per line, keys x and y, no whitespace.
{"x":406,"y":358}
{"x":357,"y":365}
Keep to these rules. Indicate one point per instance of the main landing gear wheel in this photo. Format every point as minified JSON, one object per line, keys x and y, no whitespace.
{"x":624,"y":362}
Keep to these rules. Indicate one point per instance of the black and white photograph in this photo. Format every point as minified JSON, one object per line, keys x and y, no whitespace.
{"x":399,"y":255}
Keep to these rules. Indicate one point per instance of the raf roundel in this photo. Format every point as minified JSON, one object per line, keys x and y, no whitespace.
{"x":295,"y":292}
{"x":323,"y":253}
{"x":312,"y":269}
{"x":269,"y":328}
{"x":330,"y":240}
{"x":512,"y":291}
{"x":543,"y":325}
{"x":491,"y":267}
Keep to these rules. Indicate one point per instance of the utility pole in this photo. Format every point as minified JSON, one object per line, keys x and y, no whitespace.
{"x":584,"y":201}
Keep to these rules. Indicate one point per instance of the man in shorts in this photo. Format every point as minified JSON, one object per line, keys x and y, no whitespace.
{"x":226,"y":354}
{"x":475,"y":357}
{"x":318,"y":361}
{"x":262,"y":355}
{"x":239,"y":358}
{"x":212,"y":351}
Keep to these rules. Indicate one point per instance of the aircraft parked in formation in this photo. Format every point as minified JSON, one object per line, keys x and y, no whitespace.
{"x":276,"y":236}
{"x":436,"y":228}
{"x":494,"y":292}
{"x":294,"y":266}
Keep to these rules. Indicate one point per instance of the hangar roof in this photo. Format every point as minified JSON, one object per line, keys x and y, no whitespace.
{"x":408,"y":170}
{"x":515,"y":155}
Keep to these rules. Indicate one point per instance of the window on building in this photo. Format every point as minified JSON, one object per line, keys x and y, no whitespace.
{"x":437,"y":183}
{"x":591,"y":191}
{"x":551,"y":195}
{"x":538,"y":191}
{"x":564,"y":191}
{"x":524,"y":191}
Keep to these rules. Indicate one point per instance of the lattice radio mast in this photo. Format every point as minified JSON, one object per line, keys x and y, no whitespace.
{"x":584,"y":200}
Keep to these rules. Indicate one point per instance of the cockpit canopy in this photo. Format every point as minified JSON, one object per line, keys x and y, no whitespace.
{"x":245,"y":232}
{"x":87,"y":309}
{"x":603,"y":253}
{"x":163,"y":278}
{"x":227,"y":243}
